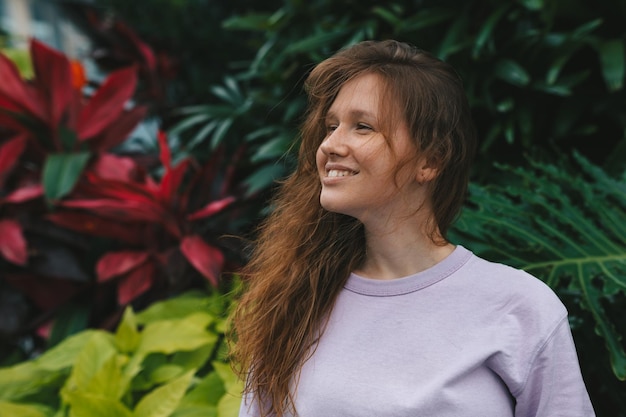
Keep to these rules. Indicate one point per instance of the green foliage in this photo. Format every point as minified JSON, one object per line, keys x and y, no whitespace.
{"x":164,"y":361}
{"x":540,"y":75}
{"x":566,"y":225}
{"x":61,"y":172}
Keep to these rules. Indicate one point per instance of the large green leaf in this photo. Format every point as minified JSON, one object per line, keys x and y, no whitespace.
{"x":567,"y":227}
{"x":9,"y":409}
{"x":97,"y":351}
{"x":93,"y":405}
{"x":61,"y":172}
{"x":613,"y":60}
{"x":163,"y":401}
{"x":170,"y":336}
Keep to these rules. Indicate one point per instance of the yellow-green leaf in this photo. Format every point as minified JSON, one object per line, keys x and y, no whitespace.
{"x":207,"y":392}
{"x":65,"y":353}
{"x":90,"y":405}
{"x":169,"y":336}
{"x":90,"y":360}
{"x":126,"y":336}
{"x":229,"y":405}
{"x":110,"y":381}
{"x":9,"y":409}
{"x":162,"y":401}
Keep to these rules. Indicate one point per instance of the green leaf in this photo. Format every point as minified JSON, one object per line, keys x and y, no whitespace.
{"x":21,"y":59}
{"x":487,"y":29}
{"x":613,"y":62}
{"x":110,"y":381}
{"x":315,"y":42}
{"x":229,"y":378}
{"x":192,"y":359}
{"x":68,"y":138}
{"x":424,"y":19}
{"x":97,"y":351}
{"x":127,"y":336}
{"x":169,"y":336}
{"x":22,"y":379}
{"x":65,"y":353}
{"x":512,"y":72}
{"x":9,"y":409}
{"x":92,"y":405}
{"x":263,"y":178}
{"x":455,"y":38}
{"x":566,"y":226}
{"x":207,"y":392}
{"x":196,"y":411}
{"x":229,"y":406}
{"x":253,"y":22}
{"x":162,"y":401}
{"x":71,"y":319}
{"x":177,"y":308}
{"x":387,"y":15}
{"x":533,"y":4}
{"x":61,"y":172}
{"x":166,"y":372}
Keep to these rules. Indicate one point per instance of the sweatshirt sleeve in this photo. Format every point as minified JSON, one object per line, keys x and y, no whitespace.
{"x":249,"y":407}
{"x":554,"y":386}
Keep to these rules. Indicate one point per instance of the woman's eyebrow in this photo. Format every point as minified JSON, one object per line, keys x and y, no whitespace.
{"x":355,"y":114}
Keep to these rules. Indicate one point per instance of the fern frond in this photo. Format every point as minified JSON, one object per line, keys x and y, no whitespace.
{"x":567,"y":228}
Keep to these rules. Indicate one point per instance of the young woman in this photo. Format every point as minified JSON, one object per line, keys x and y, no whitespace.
{"x":355,"y":302}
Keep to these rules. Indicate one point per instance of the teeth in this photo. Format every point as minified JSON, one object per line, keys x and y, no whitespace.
{"x":338,"y":173}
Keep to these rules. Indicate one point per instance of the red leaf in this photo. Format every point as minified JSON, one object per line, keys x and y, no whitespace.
{"x":107,"y":103}
{"x":12,"y":242}
{"x":54,"y":77}
{"x":211,"y":208}
{"x":47,"y":293}
{"x":144,"y":50}
{"x":208,"y":260}
{"x":15,"y":91}
{"x":114,"y":264}
{"x":120,"y":209}
{"x":10,"y":152}
{"x":135,"y":283}
{"x":113,"y":167}
{"x":116,"y":133}
{"x":171,"y":181}
{"x":165,"y":153}
{"x":98,"y":226}
{"x":25,"y":193}
{"x":139,"y":190}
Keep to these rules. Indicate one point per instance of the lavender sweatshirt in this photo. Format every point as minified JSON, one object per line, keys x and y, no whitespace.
{"x":465,"y":338}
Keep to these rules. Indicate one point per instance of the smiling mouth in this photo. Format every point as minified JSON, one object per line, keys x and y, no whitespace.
{"x":339,"y":173}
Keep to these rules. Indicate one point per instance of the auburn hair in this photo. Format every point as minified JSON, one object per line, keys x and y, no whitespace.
{"x":304,"y":254}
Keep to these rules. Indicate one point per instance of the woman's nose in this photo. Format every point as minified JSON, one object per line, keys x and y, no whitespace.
{"x":334,"y":143}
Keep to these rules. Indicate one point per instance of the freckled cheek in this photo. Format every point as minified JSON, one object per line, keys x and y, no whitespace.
{"x":320,"y":160}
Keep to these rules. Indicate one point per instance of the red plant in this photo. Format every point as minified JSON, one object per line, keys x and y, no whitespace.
{"x":53,"y":113}
{"x":154,"y":220}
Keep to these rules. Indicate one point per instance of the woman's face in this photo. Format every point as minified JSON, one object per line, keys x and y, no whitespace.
{"x":357,"y":166}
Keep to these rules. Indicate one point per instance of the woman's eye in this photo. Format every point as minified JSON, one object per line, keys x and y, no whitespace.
{"x":331,"y":128}
{"x":362,"y":126}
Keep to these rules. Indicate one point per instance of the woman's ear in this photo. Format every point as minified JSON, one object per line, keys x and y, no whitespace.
{"x":426,"y":171}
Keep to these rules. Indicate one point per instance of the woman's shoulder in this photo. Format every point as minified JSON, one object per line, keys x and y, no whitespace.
{"x":521,"y":291}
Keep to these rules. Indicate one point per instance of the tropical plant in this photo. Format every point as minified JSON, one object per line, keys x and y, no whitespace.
{"x":541,"y":76}
{"x":167,"y":360}
{"x":49,"y":133}
{"x":153,"y":220}
{"x":85,"y":231}
{"x":566,"y":225}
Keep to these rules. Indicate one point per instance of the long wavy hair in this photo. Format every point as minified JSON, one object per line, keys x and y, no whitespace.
{"x":303,"y":253}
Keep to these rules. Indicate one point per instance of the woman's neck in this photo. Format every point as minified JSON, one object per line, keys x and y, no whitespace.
{"x":401,"y":251}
